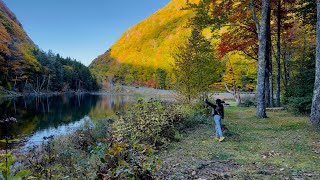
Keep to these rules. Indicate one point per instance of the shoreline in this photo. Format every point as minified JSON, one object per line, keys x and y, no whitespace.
{"x":117,"y":90}
{"x":122,"y":90}
{"x":40,"y":94}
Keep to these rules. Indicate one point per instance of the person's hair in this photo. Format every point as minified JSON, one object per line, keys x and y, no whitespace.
{"x":218,"y":101}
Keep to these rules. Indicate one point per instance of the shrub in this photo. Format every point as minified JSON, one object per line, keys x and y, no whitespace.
{"x":118,"y":89}
{"x":249,"y":101}
{"x":150,"y":122}
{"x":298,"y":96}
{"x":68,"y":156}
{"x":300,"y":105}
{"x":197,"y":113}
{"x":157,"y":123}
{"x":6,"y":162}
{"x":120,"y":160}
{"x":93,"y":152}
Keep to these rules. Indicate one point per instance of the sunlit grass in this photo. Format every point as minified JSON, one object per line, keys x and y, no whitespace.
{"x":280,"y":146}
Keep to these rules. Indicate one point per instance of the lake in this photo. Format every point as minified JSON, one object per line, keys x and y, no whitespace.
{"x":39,"y":117}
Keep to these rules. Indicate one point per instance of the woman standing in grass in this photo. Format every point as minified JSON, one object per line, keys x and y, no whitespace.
{"x":218,"y":114}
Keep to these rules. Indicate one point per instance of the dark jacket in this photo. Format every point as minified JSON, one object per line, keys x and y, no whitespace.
{"x":217,"y":109}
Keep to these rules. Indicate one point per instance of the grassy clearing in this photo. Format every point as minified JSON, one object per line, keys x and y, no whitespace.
{"x":282,"y":146}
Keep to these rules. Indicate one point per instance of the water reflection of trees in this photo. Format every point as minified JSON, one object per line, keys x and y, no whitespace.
{"x":36,"y":113}
{"x":107,"y":106}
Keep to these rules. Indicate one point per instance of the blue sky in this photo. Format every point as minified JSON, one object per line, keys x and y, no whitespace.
{"x":80,"y":29}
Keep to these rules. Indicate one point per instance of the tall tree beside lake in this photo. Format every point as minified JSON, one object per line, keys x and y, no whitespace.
{"x":315,"y":110}
{"x":262,"y":30}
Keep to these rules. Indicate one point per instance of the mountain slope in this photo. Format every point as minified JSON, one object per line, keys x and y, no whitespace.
{"x":150,"y":43}
{"x":16,"y":57}
{"x":27,"y":69}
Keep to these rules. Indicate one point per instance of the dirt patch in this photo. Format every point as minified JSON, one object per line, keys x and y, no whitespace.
{"x":198,"y":170}
{"x":217,"y":170}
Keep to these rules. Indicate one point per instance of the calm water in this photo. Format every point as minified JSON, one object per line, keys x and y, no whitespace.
{"x":40,"y":117}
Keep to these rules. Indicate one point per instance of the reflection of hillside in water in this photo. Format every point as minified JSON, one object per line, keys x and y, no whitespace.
{"x":38,"y":113}
{"x":107,"y":106}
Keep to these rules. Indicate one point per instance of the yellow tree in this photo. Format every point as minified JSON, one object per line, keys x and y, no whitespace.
{"x":240,"y":74}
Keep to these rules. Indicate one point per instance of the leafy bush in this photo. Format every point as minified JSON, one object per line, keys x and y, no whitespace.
{"x":94,"y":152}
{"x":120,"y":160}
{"x":300,"y":105}
{"x":118,"y":89}
{"x":249,"y":101}
{"x":197,"y":113}
{"x":69,"y":156}
{"x":6,"y":162}
{"x":151,"y":122}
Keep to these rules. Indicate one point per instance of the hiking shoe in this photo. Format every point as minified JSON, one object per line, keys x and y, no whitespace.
{"x":221,"y":139}
{"x":216,"y":138}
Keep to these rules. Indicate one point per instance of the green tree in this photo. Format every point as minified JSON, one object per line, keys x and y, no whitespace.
{"x":196,"y":67}
{"x":161,"y":76}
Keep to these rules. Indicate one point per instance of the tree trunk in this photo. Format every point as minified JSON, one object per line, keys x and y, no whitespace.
{"x":15,"y":107}
{"x":37,"y":89}
{"x":267,"y":85}
{"x":268,"y":78}
{"x":270,"y":61}
{"x":25,"y":85}
{"x":262,"y":36}
{"x":48,"y":83}
{"x":48,"y":105}
{"x":315,"y":109}
{"x":278,"y":83}
{"x":7,"y":69}
{"x":236,"y":91}
{"x":15,"y":83}
{"x":271,"y":84}
{"x":285,"y":66}
{"x":43,"y":81}
{"x":289,"y":67}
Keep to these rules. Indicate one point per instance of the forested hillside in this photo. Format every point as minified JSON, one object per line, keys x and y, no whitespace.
{"x":16,"y":57}
{"x":143,"y":56}
{"x":146,"y":48}
{"x":25,"y":68}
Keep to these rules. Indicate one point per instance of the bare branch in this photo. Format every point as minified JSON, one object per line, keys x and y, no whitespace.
{"x":249,"y":55}
{"x":43,"y":81}
{"x":227,"y":88}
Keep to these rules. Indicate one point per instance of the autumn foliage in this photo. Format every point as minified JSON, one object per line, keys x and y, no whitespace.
{"x":25,"y":68}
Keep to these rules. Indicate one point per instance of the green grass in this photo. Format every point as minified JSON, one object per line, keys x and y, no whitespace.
{"x":281,"y":146}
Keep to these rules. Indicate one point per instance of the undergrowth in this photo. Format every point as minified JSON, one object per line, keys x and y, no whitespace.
{"x":122,"y":148}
